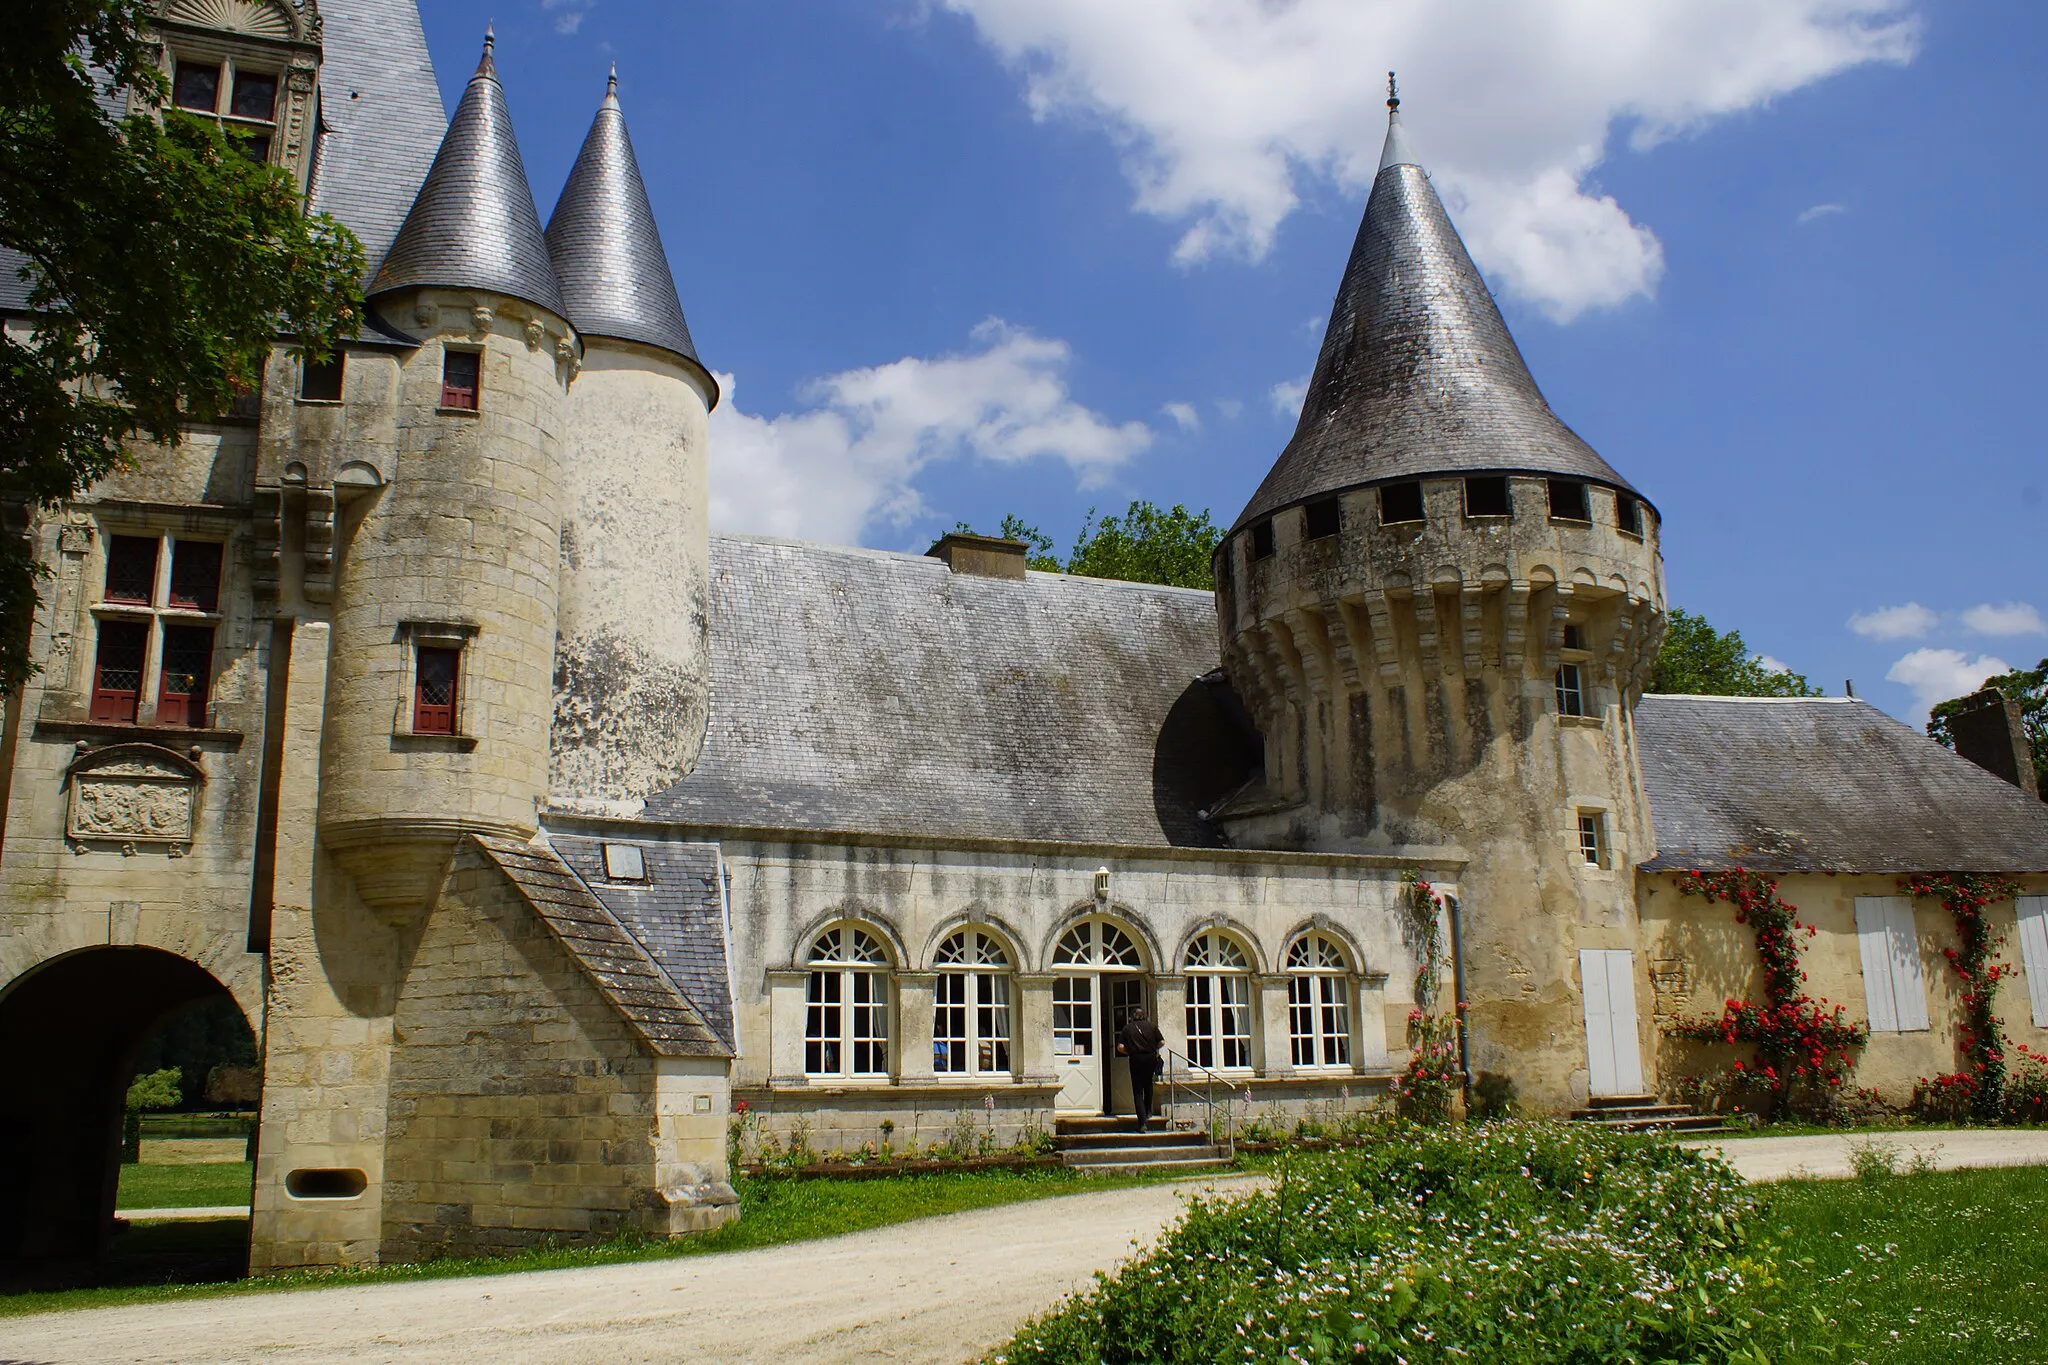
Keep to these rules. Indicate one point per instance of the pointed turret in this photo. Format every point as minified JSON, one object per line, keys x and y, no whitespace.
{"x":1418,"y":374}
{"x":473,"y":224}
{"x":606,"y":248}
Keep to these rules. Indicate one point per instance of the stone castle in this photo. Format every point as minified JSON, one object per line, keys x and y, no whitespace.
{"x":533,"y":827}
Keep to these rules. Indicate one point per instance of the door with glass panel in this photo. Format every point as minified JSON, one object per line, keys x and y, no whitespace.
{"x":1099,"y":978}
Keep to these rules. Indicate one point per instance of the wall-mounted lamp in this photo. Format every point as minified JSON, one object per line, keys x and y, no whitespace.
{"x":1102,"y":883}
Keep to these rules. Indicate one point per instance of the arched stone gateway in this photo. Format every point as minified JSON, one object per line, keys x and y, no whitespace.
{"x":70,"y":1030}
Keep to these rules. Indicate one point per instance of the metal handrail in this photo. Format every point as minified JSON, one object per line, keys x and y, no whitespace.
{"x":1210,"y":1081}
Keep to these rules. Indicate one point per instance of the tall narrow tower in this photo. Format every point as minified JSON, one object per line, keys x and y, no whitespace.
{"x":1441,"y":606}
{"x":444,"y":611}
{"x":632,"y":679}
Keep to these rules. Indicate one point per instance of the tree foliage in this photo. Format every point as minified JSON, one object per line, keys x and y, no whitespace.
{"x":2028,"y":687}
{"x":1145,"y":545}
{"x":1699,"y":660}
{"x":164,"y":262}
{"x":154,"y":1090}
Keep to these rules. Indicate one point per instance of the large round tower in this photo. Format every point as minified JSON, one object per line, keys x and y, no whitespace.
{"x":1441,"y":606}
{"x":632,"y":677}
{"x":444,"y":610}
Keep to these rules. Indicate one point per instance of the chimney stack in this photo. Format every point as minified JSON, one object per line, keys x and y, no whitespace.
{"x":1988,"y":732}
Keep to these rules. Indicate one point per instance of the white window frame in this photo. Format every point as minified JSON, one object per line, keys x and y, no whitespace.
{"x":1571,"y":701}
{"x":1593,"y":852}
{"x":1319,"y":1012}
{"x":1219,"y":1002}
{"x":1894,"y":989}
{"x":846,"y":1005}
{"x":2033,"y":926}
{"x":971,"y":1006}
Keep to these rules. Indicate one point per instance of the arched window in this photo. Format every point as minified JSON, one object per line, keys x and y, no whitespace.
{"x":846,"y":1014}
{"x":971,"y":1009}
{"x":1219,"y":1008}
{"x":1318,"y":1002}
{"x":1097,"y":943}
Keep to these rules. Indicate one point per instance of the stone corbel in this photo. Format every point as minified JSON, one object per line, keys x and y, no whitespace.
{"x":1383,"y":636}
{"x":319,"y":566}
{"x":1472,"y":619}
{"x":268,"y":536}
{"x":1514,"y":625}
{"x":480,"y":319}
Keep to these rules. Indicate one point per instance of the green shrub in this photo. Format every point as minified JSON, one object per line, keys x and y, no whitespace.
{"x":1508,"y":1242}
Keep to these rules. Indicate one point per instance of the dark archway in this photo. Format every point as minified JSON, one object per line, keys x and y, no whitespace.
{"x":70,"y":1031}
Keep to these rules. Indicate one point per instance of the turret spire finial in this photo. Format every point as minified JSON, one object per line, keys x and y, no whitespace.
{"x":1393,"y":95}
{"x":611,"y":88}
{"x":486,"y":65}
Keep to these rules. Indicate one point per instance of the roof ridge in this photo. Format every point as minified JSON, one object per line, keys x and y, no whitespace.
{"x":916,"y":557}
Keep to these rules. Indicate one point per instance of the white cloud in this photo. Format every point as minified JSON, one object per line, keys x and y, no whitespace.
{"x":1183,"y":415}
{"x":1231,"y":408}
{"x":1894,"y":623}
{"x":850,"y":460}
{"x":1822,"y":211}
{"x":1773,"y":665}
{"x":1225,"y":110}
{"x":1286,"y":397}
{"x":2008,"y":618}
{"x":568,"y":13}
{"x":1937,"y":674}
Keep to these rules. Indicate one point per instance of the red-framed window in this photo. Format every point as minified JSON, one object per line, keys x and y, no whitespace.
{"x":117,"y":670}
{"x":131,"y":570}
{"x":187,"y":671}
{"x":436,"y":671}
{"x":195,"y":575}
{"x":459,"y":374}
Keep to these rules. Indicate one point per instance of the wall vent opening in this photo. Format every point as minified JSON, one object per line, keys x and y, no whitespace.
{"x":1569,"y":501}
{"x":1400,"y":502}
{"x":312,"y":1182}
{"x":1487,"y":496}
{"x":1321,"y":519}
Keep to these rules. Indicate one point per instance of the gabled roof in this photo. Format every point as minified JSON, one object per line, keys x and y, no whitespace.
{"x":860,"y":692}
{"x":659,"y":1014}
{"x":677,"y":914}
{"x":606,"y":248}
{"x":1827,"y":784}
{"x":1418,"y":374}
{"x":473,"y":225}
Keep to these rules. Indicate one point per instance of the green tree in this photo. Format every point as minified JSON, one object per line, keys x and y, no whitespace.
{"x":1695,"y":658}
{"x":163,"y":262}
{"x":1144,"y":545}
{"x":2028,"y":687}
{"x":155,"y":1090}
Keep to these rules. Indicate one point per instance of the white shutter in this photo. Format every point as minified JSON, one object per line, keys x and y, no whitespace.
{"x":1599,"y":1025}
{"x":1621,"y":1008}
{"x":1873,"y":941}
{"x":2034,"y":953}
{"x":1909,"y":989}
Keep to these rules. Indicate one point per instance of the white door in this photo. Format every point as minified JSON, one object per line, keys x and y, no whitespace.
{"x":1613,"y":1054}
{"x":1074,"y":1045}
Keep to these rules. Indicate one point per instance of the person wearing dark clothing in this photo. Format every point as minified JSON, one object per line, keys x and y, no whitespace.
{"x":1140,"y":1040}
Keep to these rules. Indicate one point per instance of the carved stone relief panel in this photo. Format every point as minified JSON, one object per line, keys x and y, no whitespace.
{"x":130,"y":794}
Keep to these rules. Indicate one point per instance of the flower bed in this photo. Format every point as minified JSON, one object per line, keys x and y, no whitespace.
{"x":1506,"y":1242}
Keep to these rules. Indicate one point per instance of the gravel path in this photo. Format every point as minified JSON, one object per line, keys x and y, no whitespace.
{"x":941,"y":1290}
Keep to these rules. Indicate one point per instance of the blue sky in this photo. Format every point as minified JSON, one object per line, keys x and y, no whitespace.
{"x":1778,"y":260}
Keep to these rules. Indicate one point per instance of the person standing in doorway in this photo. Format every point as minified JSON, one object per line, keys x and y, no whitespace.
{"x":1140,"y":1040}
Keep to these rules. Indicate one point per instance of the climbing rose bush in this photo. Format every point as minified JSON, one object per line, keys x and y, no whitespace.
{"x":1508,"y":1242}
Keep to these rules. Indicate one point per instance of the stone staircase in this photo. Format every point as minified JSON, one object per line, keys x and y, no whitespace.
{"x":1645,"y":1114}
{"x":1108,"y":1145}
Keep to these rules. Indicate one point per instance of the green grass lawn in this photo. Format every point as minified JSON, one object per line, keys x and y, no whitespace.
{"x":775,"y":1211}
{"x":1944,"y":1267}
{"x":184,"y":1187}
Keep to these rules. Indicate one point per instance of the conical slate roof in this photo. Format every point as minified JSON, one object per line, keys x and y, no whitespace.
{"x":607,"y":250}
{"x":473,"y":224}
{"x":1418,"y":375}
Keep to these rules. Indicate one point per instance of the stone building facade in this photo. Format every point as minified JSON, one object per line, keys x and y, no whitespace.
{"x":534,"y":828}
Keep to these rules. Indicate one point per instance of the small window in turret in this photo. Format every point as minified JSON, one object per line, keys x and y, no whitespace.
{"x":1487,"y":497}
{"x":435,"y":680}
{"x":320,"y":380}
{"x":1628,"y":515}
{"x":1321,"y":519}
{"x":1400,"y":502}
{"x":1571,"y":691}
{"x":1568,"y":501}
{"x":459,"y":374}
{"x":1262,"y":539}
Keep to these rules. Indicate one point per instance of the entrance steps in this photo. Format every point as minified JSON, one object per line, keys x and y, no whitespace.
{"x":1645,"y":1114}
{"x":1109,"y":1145}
